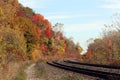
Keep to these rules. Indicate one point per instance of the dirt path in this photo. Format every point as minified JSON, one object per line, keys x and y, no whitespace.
{"x":31,"y":73}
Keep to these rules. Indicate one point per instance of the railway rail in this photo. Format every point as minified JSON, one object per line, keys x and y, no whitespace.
{"x":96,"y":65}
{"x":106,"y":73}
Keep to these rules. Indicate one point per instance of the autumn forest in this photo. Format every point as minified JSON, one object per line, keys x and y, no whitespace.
{"x":26,"y":35}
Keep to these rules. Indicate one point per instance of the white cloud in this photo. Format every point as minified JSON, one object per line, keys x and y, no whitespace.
{"x":110,"y":1}
{"x":67,"y":16}
{"x":111,"y":4}
{"x":58,"y":17}
{"x":83,"y":27}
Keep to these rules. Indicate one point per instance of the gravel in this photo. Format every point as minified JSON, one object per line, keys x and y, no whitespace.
{"x":48,"y":72}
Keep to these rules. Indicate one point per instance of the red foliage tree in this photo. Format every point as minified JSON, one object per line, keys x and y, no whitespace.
{"x":48,"y":28}
{"x":43,"y":48}
{"x":37,"y":17}
{"x":89,"y":52}
{"x":65,"y":46}
{"x":20,"y":13}
{"x":38,"y":32}
{"x":48,"y":32}
{"x":15,"y":4}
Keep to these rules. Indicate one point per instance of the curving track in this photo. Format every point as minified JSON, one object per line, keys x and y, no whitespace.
{"x":96,"y":65}
{"x":103,"y":72}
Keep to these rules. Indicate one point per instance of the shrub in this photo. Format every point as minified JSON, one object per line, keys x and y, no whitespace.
{"x":12,"y":45}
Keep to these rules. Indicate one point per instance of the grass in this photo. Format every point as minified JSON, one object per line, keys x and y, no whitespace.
{"x":20,"y":76}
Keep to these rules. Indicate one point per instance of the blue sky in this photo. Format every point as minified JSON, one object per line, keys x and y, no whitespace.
{"x":82,"y":19}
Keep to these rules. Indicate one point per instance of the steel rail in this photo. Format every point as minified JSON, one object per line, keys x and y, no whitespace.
{"x":96,"y":65}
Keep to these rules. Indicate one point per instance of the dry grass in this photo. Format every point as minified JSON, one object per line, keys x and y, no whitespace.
{"x":8,"y":74}
{"x":16,"y":71}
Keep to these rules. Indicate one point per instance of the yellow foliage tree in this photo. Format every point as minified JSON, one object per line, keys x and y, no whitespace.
{"x":35,"y":55}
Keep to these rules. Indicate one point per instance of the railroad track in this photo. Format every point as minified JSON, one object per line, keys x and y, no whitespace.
{"x":102,"y":72}
{"x":96,"y":65}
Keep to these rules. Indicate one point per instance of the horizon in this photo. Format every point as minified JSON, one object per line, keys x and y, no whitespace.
{"x":82,"y":19}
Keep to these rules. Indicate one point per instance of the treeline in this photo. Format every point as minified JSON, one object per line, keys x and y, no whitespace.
{"x":25,"y":35}
{"x":105,"y":50}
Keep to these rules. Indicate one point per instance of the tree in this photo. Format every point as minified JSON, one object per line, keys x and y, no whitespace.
{"x":12,"y":45}
{"x":37,"y":17}
{"x":58,"y":27}
{"x":29,"y":29}
{"x":26,"y":11}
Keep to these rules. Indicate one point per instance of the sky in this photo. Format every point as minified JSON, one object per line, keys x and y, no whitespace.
{"x":82,"y":19}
